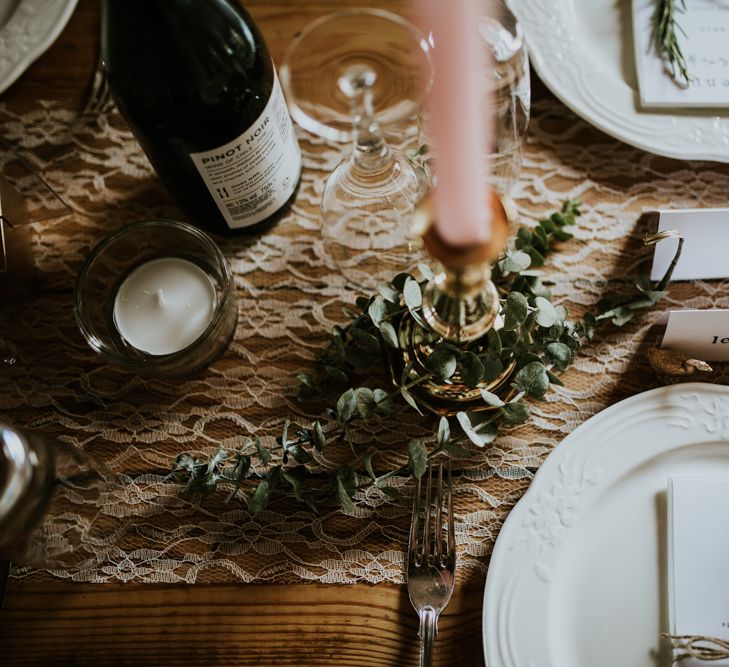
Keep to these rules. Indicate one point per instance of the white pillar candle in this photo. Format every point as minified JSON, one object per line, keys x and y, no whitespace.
{"x":164,"y":305}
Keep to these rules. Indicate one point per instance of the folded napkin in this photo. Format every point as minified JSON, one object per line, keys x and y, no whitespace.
{"x":698,"y":560}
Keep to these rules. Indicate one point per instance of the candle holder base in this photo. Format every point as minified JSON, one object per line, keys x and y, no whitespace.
{"x":460,"y":306}
{"x":450,"y":396}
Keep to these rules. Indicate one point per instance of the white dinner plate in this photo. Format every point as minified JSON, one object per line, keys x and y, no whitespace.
{"x":27,"y":29}
{"x":583,"y":51}
{"x":578,"y":574}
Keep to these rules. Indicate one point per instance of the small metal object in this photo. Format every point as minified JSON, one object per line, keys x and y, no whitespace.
{"x":431,"y":573}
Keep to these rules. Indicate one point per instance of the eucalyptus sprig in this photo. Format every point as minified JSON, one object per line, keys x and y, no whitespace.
{"x":537,"y":339}
{"x":665,"y":38}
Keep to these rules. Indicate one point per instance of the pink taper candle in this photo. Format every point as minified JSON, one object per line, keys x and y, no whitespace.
{"x":459,"y":120}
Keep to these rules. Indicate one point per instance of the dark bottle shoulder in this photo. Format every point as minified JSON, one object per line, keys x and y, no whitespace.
{"x":172,"y":65}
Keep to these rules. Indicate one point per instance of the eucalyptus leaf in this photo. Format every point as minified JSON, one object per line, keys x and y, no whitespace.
{"x":546,"y":314}
{"x":480,"y":431}
{"x":491,"y":399}
{"x":532,"y":379}
{"x":444,"y":431}
{"x":318,"y":437}
{"x":471,"y":369}
{"x":426,"y":271}
{"x":217,"y":459}
{"x":400,"y":279}
{"x":367,"y":461}
{"x":389,"y":335}
{"x":365,"y":402}
{"x":516,"y":310}
{"x":517,"y":261}
{"x":259,"y":500}
{"x":242,"y":466}
{"x":417,"y":458}
{"x":389,"y":293}
{"x":346,"y":405}
{"x":441,"y":362}
{"x":365,"y":340}
{"x":336,"y":374}
{"x":377,"y":310}
{"x":409,"y":399}
{"x":560,"y":355}
{"x":384,"y":402}
{"x":554,"y":379}
{"x":492,"y":367}
{"x":412,"y":295}
{"x":390,"y":491}
{"x":494,"y":342}
{"x":456,"y":451}
{"x":344,"y":497}
{"x":515,"y":413}
{"x":263,"y":454}
{"x":299,"y":454}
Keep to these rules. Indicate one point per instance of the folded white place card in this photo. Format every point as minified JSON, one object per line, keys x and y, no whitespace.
{"x":700,"y":334}
{"x":706,"y":239}
{"x":698,"y":553}
{"x":702,"y":36}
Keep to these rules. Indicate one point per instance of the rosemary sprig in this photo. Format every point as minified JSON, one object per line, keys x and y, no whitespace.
{"x":665,"y":38}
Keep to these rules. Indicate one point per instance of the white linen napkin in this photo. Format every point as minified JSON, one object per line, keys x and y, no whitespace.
{"x":698,"y":558}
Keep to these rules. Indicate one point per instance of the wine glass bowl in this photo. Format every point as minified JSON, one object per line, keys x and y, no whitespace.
{"x":393,"y":49}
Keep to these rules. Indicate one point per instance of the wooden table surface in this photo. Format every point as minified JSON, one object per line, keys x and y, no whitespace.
{"x":143,"y":624}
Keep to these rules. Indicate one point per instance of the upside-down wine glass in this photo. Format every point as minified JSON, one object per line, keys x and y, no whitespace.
{"x":345,"y":76}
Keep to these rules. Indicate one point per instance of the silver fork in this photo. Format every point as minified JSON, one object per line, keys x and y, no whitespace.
{"x":431,"y":559}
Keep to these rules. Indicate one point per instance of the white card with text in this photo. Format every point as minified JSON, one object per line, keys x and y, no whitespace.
{"x":698,"y":551}
{"x":703,"y":37}
{"x":706,"y":239}
{"x":700,"y":334}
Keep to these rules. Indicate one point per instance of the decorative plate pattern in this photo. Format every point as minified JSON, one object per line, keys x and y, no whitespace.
{"x":29,"y":31}
{"x":583,"y":53}
{"x":587,"y":540}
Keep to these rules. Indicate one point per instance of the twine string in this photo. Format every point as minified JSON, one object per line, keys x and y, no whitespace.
{"x":699,"y":647}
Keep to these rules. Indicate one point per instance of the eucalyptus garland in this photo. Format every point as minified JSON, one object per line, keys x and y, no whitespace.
{"x":537,"y":337}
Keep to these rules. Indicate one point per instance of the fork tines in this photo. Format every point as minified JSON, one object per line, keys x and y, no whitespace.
{"x":430,"y":539}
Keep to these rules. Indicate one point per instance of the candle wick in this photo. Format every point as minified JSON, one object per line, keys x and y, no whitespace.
{"x":160,"y":298}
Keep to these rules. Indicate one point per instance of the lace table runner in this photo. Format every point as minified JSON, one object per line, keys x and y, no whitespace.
{"x":289,"y":298}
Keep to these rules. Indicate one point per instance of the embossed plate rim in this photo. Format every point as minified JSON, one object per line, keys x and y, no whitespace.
{"x":15,"y":57}
{"x":597,"y":456}
{"x":609,"y":104}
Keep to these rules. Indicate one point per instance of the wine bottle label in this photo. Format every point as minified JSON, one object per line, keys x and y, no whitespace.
{"x":252,"y":176}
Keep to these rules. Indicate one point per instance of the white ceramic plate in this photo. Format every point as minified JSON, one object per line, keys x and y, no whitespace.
{"x":27,"y":29}
{"x":583,"y":51}
{"x":578,"y":574}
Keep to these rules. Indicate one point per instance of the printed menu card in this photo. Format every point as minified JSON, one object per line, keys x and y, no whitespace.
{"x":703,"y":34}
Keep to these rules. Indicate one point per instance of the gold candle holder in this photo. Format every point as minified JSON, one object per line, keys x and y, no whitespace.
{"x":461,"y":305}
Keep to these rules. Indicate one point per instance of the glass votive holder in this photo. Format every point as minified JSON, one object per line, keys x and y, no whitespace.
{"x":157,"y":298}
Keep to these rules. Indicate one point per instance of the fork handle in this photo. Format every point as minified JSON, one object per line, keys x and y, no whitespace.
{"x":428,"y":631}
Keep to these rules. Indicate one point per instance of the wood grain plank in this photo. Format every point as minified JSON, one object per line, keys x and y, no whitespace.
{"x":306,"y":624}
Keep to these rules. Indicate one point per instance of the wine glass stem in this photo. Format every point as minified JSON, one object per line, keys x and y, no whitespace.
{"x":371,"y":152}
